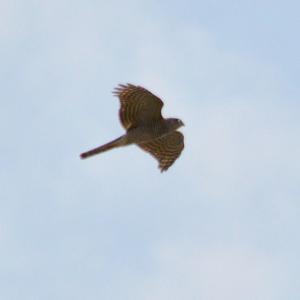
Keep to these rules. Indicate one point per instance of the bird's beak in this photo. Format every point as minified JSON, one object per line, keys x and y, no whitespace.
{"x":182,"y":124}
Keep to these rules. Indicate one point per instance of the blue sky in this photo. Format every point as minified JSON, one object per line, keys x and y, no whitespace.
{"x":222,"y":223}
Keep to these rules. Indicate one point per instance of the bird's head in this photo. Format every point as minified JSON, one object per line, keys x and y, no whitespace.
{"x":175,"y":123}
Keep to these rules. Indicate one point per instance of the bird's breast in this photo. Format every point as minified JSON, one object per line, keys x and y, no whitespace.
{"x":145,"y":133}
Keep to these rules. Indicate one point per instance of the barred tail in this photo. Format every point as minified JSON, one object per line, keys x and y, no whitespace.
{"x":113,"y":144}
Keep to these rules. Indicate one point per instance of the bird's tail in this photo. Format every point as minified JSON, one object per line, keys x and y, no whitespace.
{"x":113,"y":144}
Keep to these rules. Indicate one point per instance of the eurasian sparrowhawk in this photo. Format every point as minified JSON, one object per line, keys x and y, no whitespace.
{"x":140,"y":115}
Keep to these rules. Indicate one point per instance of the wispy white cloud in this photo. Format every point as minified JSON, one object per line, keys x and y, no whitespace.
{"x":227,"y":272}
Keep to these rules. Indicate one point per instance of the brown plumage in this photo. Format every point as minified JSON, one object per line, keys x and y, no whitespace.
{"x":140,"y":115}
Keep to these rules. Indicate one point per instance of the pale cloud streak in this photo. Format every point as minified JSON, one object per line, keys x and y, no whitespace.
{"x":200,"y":272}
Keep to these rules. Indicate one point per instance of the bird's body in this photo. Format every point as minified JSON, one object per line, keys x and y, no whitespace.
{"x":140,"y":114}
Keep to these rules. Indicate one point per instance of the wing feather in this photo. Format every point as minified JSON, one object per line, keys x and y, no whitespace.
{"x":165,"y":149}
{"x":138,"y":105}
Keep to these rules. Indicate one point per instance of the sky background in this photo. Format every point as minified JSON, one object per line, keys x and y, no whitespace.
{"x":222,"y":223}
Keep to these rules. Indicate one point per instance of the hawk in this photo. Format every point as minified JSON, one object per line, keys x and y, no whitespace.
{"x":140,"y":115}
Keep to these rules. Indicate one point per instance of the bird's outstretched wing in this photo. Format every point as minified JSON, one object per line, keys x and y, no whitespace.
{"x":165,"y":149}
{"x":138,"y":105}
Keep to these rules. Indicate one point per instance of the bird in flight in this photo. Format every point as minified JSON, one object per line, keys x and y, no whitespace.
{"x":140,"y":115}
